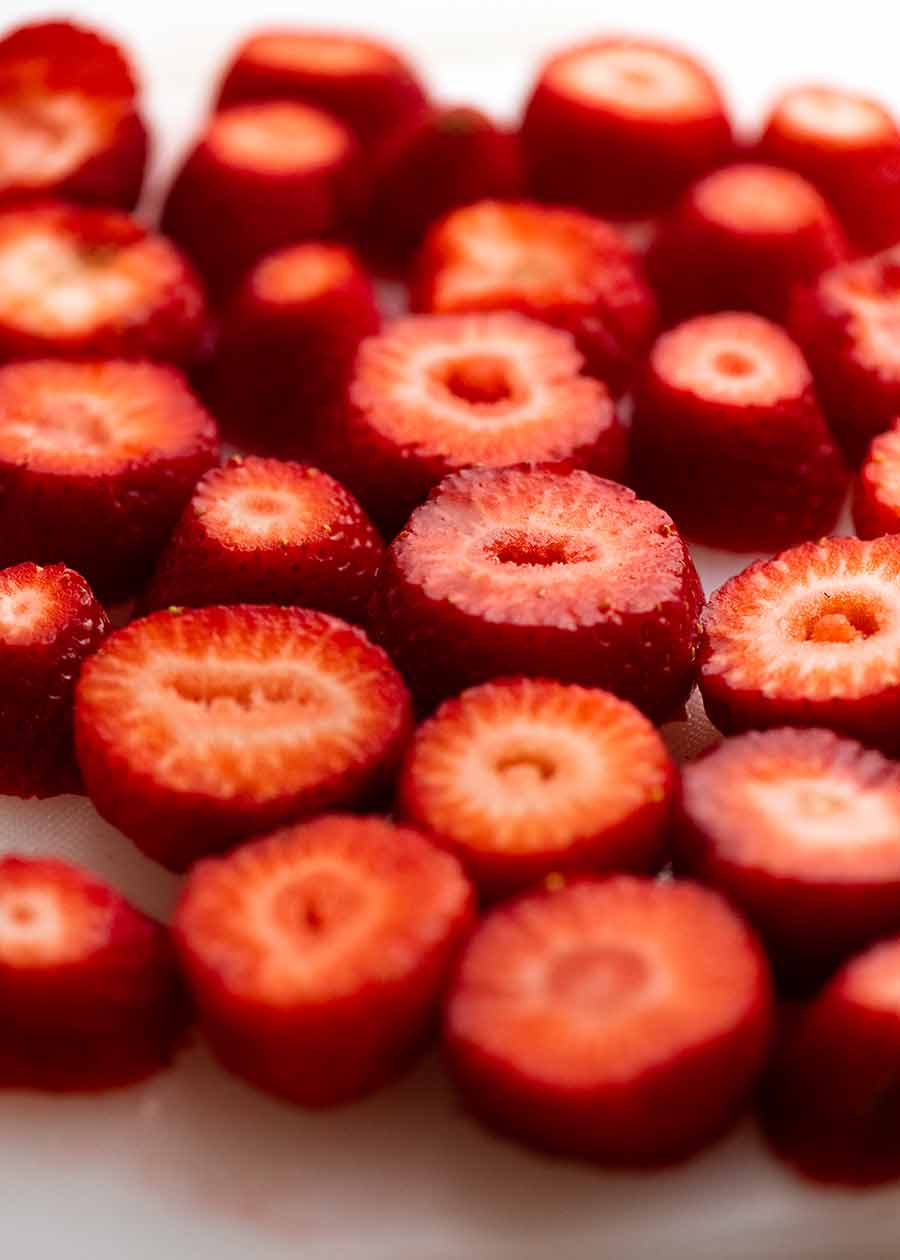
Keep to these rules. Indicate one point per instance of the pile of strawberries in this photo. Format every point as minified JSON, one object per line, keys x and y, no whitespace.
{"x":430,"y":521}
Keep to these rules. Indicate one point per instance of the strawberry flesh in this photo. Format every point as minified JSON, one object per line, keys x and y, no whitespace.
{"x":876,"y":498}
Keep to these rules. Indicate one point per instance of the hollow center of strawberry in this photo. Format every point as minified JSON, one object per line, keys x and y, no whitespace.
{"x":733,"y":363}
{"x":840,"y":619}
{"x":482,"y":379}
{"x":246,"y":690}
{"x":312,"y":908}
{"x":596,"y":977}
{"x":524,"y":769}
{"x":535,"y":549}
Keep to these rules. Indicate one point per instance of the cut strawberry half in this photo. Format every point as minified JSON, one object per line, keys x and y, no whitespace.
{"x":435,"y":393}
{"x":197,"y":728}
{"x":831,"y":1106}
{"x":317,"y":955}
{"x":366,"y":84}
{"x":78,"y":282}
{"x":68,"y":122}
{"x":741,"y":239}
{"x":89,"y":992}
{"x":620,"y":126}
{"x":262,"y":176}
{"x":523,"y":778}
{"x":558,"y":266}
{"x":849,"y":147}
{"x":620,"y":1020}
{"x":810,"y":638}
{"x":849,"y":327}
{"x":286,"y":346}
{"x":260,"y":531}
{"x":801,"y":831}
{"x":876,"y":499}
{"x":542,"y":573}
{"x":49,"y":622}
{"x":97,"y":461}
{"x":727,"y":435}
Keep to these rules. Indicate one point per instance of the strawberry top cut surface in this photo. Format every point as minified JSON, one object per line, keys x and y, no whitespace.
{"x":761,"y":199}
{"x":325,"y":52}
{"x":279,"y":137}
{"x":303,"y":273}
{"x":638,"y":80}
{"x":51,"y":916}
{"x":831,"y":119}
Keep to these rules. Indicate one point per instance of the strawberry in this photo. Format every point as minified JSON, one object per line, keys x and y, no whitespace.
{"x":69,"y":126}
{"x":809,"y":638}
{"x":876,"y":497}
{"x":727,"y":435}
{"x":89,"y":992}
{"x":544,"y":573}
{"x":849,"y":147}
{"x":260,"y":531}
{"x":78,"y":282}
{"x":370,"y":87}
{"x":318,"y":954}
{"x":49,"y":622}
{"x":620,"y":126}
{"x":286,"y":346}
{"x":801,"y":830}
{"x":262,"y":176}
{"x":97,"y":460}
{"x":195,"y":729}
{"x":442,"y":157}
{"x":525,"y":777}
{"x":435,"y":393}
{"x":847,"y":324}
{"x":618,"y":1020}
{"x":830,"y":1103}
{"x":741,"y":239}
{"x":559,"y":266}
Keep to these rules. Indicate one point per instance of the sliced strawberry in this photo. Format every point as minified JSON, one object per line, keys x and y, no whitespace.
{"x":49,"y":622}
{"x":727,"y":435}
{"x":741,"y":239}
{"x":286,"y":346}
{"x":831,"y":1106}
{"x":558,"y":266}
{"x":317,"y":955}
{"x":849,"y":327}
{"x":260,"y":531}
{"x":620,"y":126}
{"x":619,"y":1020}
{"x":876,"y":498}
{"x":262,"y":176}
{"x":435,"y":393}
{"x":89,"y":992}
{"x":543,"y":573}
{"x":197,"y":728}
{"x":97,"y":460}
{"x":810,"y":638}
{"x":78,"y":282}
{"x":366,"y":84}
{"x":524,"y":777}
{"x":849,"y":147}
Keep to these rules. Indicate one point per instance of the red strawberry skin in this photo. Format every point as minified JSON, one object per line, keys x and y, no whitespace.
{"x":452,"y":613}
{"x":49,"y":622}
{"x":104,"y":1007}
{"x":374,"y":92}
{"x":307,"y":541}
{"x":876,"y":492}
{"x":357,"y":1023}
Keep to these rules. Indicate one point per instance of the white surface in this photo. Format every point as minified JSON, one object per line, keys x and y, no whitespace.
{"x":193,"y":1164}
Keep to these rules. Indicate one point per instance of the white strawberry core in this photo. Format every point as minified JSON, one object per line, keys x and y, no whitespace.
{"x":324,"y":54}
{"x":749,"y":198}
{"x":873,"y":979}
{"x":45,"y":136}
{"x":837,"y":118}
{"x":302,"y":273}
{"x":639,"y":81}
{"x":41,"y":926}
{"x":282,"y":137}
{"x":732,"y":359}
{"x":869,"y":293}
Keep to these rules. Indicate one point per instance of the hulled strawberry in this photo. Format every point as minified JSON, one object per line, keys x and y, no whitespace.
{"x":559,"y":266}
{"x":286,"y":346}
{"x":259,"y":531}
{"x":809,"y":638}
{"x":78,"y":282}
{"x":620,"y":126}
{"x":727,"y":435}
{"x":69,"y":124}
{"x":742,"y":239}
{"x":49,"y":622}
{"x":846,"y":144}
{"x":620,"y":1020}
{"x":89,"y":992}
{"x":435,"y":393}
{"x":524,"y":778}
{"x":317,"y":955}
{"x":97,"y":460}
{"x":368,"y":85}
{"x":197,"y":728}
{"x":876,"y":497}
{"x":262,"y":176}
{"x":543,"y":573}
